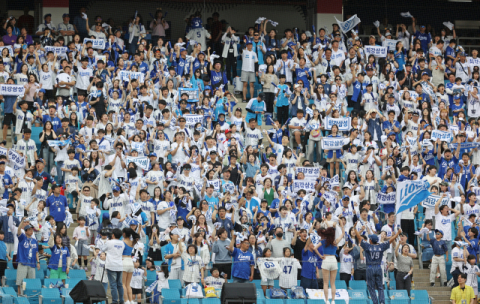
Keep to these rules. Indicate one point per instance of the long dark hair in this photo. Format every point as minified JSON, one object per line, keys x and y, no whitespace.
{"x":328,"y":234}
{"x":130,"y":233}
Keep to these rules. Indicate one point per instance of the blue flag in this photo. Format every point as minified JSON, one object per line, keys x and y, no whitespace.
{"x":411,"y":193}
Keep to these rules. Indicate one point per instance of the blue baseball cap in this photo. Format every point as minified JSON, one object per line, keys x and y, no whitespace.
{"x":28,"y":227}
{"x":207,"y":88}
{"x":373,"y":238}
{"x":43,"y":91}
{"x":425,"y":73}
{"x":392,"y":134}
{"x":153,"y":154}
{"x":133,"y":222}
{"x":106,"y":215}
{"x":456,"y":97}
{"x":345,"y":197}
{"x":116,"y":188}
{"x":249,"y":42}
{"x":439,"y":231}
{"x":183,"y":49}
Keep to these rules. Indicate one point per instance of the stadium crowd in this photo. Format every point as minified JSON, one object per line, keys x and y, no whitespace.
{"x":142,"y":143}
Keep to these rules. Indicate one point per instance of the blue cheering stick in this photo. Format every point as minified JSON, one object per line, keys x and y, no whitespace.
{"x":313,"y":28}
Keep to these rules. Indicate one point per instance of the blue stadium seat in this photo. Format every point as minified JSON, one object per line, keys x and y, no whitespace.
{"x":211,"y":301}
{"x":340,"y":285}
{"x":36,"y":136}
{"x":10,"y":277}
{"x":398,"y":294}
{"x":33,"y":288}
{"x":190,"y":301}
{"x":260,"y":294}
{"x":295,"y":301}
{"x":357,"y":301}
{"x":9,"y":291}
{"x":274,"y":301}
{"x":40,"y":274}
{"x":7,"y":299}
{"x":421,"y":295}
{"x":276,"y":283}
{"x":357,"y":294}
{"x":51,"y":296}
{"x":175,"y":284}
{"x":77,"y":274}
{"x":257,"y":284}
{"x":358,"y":285}
{"x":340,"y":302}
{"x":316,"y":301}
{"x":171,"y":296}
{"x":20,"y":300}
{"x":400,"y":301}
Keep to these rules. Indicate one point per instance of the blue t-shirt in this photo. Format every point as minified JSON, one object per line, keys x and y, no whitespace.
{"x":331,"y":250}
{"x":57,"y":205}
{"x":310,"y":264}
{"x":3,"y":251}
{"x":7,"y":181}
{"x":425,"y":39}
{"x":27,"y":251}
{"x":241,"y":264}
{"x":9,"y":102}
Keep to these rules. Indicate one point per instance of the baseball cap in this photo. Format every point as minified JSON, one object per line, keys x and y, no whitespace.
{"x":180,"y":218}
{"x":439,"y":231}
{"x":133,"y":222}
{"x":65,"y":15}
{"x":40,"y":160}
{"x":424,"y":73}
{"x":248,"y":42}
{"x":11,"y":205}
{"x":392,"y":134}
{"x":347,"y":185}
{"x":408,"y":64}
{"x":391,"y":96}
{"x":228,"y":131}
{"x":373,"y":238}
{"x":152,"y":154}
{"x":183,"y":49}
{"x":116,"y":189}
{"x":28,"y":227}
{"x":345,"y":198}
{"x":47,"y":15}
{"x":261,"y":95}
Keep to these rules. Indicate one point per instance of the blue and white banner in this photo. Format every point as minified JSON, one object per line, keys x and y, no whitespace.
{"x":101,"y":57}
{"x":442,"y":135}
{"x":12,"y":90}
{"x":465,"y":146}
{"x":127,"y":75}
{"x":431,"y":200}
{"x":215,"y":183}
{"x":192,"y":119}
{"x":331,"y":197}
{"x":98,"y":44}
{"x":193,"y":93}
{"x":410,"y":194}
{"x":386,"y":198}
{"x":476,"y":190}
{"x":343,"y":123}
{"x":332,"y":143}
{"x":349,"y":24}
{"x":309,"y":172}
{"x":141,"y":162}
{"x":334,"y":181}
{"x":3,"y":151}
{"x":57,"y":143}
{"x":138,"y":146}
{"x":309,"y":111}
{"x":390,"y":44}
{"x":56,"y":49}
{"x":303,"y":184}
{"x":412,"y":141}
{"x":14,"y":157}
{"x":377,"y":51}
{"x":453,"y":128}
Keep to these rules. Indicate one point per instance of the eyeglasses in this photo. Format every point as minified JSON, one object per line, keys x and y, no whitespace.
{"x":256,"y":35}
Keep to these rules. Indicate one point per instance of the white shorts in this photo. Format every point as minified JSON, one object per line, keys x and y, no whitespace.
{"x":127,"y":264}
{"x":330,"y":263}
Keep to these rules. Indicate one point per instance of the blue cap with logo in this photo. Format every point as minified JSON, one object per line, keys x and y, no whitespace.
{"x":373,"y":238}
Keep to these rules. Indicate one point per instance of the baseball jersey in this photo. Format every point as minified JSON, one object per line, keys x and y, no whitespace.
{"x":288,"y":267}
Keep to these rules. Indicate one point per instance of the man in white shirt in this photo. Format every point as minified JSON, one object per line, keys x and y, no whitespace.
{"x":163,"y":215}
{"x":117,"y":160}
{"x":249,"y":59}
{"x":66,"y":29}
{"x":118,"y":202}
{"x":462,"y":68}
{"x":444,"y":220}
{"x":114,"y":264}
{"x":83,"y":76}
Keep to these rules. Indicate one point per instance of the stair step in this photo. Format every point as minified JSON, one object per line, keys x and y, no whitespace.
{"x":424,"y":285}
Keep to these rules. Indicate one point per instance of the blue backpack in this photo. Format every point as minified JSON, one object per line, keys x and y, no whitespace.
{"x":297,"y":292}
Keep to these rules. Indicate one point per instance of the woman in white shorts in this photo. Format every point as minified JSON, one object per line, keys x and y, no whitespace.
{"x":329,"y":264}
{"x":128,"y":263}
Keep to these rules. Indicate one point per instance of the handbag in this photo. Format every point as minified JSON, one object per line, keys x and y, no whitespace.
{"x":297,"y":292}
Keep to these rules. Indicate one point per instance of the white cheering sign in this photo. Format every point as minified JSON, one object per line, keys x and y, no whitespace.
{"x":343,"y":123}
{"x":332,"y":143}
{"x":377,"y":51}
{"x":12,"y":90}
{"x":303,"y":184}
{"x":56,"y":49}
{"x":142,"y":162}
{"x":192,"y":119}
{"x":309,"y":172}
{"x":98,"y":44}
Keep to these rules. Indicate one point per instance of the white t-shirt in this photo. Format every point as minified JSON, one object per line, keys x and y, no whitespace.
{"x":252,"y":137}
{"x":114,"y":250}
{"x":83,"y":77}
{"x":444,"y":223}
{"x":248,"y":60}
{"x":163,"y":220}
{"x":457,"y":253}
{"x":297,"y":123}
{"x":199,"y":35}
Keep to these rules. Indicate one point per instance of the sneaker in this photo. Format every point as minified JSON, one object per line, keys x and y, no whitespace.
{"x":86,"y":268}
{"x":333,"y":302}
{"x":244,"y":101}
{"x":327,"y":302}
{"x":432,"y":284}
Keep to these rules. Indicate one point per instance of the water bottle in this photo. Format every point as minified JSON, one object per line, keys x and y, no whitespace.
{"x":413,"y":285}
